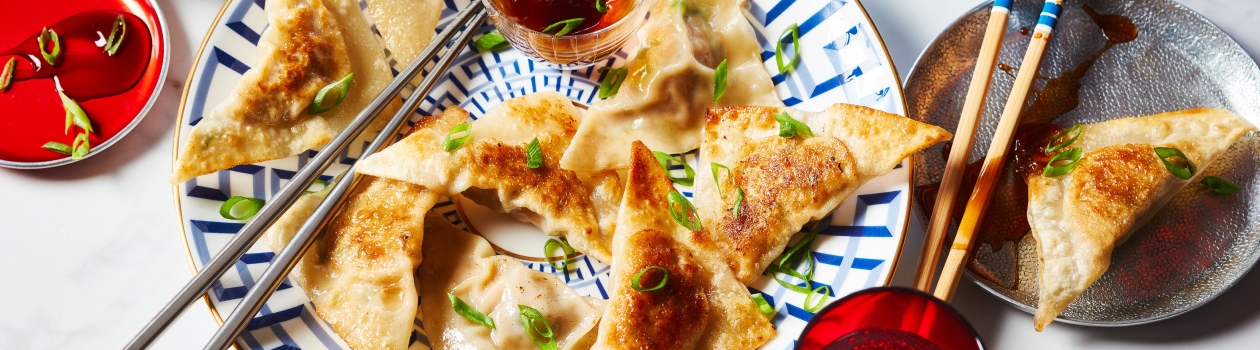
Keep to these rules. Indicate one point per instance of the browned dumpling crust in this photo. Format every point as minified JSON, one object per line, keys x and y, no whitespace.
{"x":701,"y":306}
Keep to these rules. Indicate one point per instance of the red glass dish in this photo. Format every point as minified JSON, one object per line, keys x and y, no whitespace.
{"x":114,"y":91}
{"x":889,"y":318}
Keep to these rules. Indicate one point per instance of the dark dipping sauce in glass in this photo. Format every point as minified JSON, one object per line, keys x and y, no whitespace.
{"x":540,"y":14}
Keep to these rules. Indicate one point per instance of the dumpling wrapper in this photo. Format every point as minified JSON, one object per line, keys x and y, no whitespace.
{"x":491,"y":168}
{"x":406,"y":25}
{"x":464,"y":264}
{"x":360,"y":273}
{"x":1118,"y":185}
{"x":308,"y":45}
{"x":701,"y":306}
{"x":788,"y":182}
{"x":669,"y":84}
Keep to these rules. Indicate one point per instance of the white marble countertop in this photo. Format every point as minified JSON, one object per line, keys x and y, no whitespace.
{"x":90,"y":251}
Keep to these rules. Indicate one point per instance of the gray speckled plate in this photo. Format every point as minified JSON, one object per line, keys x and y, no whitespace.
{"x":1197,"y":246}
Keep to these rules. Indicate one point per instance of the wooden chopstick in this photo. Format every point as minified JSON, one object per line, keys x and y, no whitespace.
{"x":973,"y":107}
{"x":995,"y":159}
{"x":289,"y":193}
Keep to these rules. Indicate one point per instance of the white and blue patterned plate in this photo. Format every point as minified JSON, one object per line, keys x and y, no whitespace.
{"x":843,"y":60}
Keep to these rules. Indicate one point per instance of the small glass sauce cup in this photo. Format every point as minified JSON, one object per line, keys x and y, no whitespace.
{"x":889,"y":318}
{"x":569,"y":51}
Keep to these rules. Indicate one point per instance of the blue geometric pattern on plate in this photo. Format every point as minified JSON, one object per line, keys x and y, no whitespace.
{"x":841,"y":61}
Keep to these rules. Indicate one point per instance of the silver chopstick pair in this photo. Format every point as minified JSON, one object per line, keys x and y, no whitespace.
{"x":472,"y":18}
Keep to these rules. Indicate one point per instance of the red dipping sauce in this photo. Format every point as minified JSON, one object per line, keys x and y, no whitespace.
{"x":112,"y":90}
{"x":539,"y":14}
{"x":888,"y":318}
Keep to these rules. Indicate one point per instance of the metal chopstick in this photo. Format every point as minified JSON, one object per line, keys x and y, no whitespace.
{"x":284,"y":262}
{"x":289,"y":193}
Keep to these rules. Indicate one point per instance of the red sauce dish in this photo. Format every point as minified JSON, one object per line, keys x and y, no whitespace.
{"x":889,"y":318}
{"x":114,"y":90}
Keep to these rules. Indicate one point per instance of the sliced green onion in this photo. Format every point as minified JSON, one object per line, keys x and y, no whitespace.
{"x":248,"y":206}
{"x":44,"y":37}
{"x":6,"y":75}
{"x":318,"y":185}
{"x":796,"y":49}
{"x":530,"y":319}
{"x":739,"y":201}
{"x":639,"y":287}
{"x":766,"y":308}
{"x":809,"y":297}
{"x":1072,"y":156}
{"x":565,"y":249}
{"x":791,"y":258}
{"x":683,"y":218}
{"x":601,"y":6}
{"x":1051,"y":147}
{"x":1183,"y":173}
{"x":57,"y":147}
{"x":565,"y":26}
{"x":533,"y":154}
{"x":81,"y":147}
{"x":119,"y":30}
{"x":790,"y":127}
{"x":719,"y":81}
{"x":664,"y":159}
{"x":492,"y":41}
{"x":463,"y":309}
{"x":451,"y":143}
{"x":74,"y":114}
{"x":1220,"y":186}
{"x":343,"y":86}
{"x":715,"y":167}
{"x":611,"y":81}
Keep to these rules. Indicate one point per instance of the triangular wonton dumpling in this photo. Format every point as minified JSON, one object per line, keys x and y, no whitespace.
{"x":670,"y":82}
{"x":700,"y":306}
{"x":406,"y":25}
{"x":788,"y":182}
{"x":359,"y":272}
{"x":1118,"y":184}
{"x":464,"y":264}
{"x":308,"y":45}
{"x":491,"y":168}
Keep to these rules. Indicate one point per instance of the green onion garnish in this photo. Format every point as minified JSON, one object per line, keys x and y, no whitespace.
{"x":81,"y":147}
{"x":469,"y":312}
{"x":492,"y":41}
{"x":6,"y":75}
{"x":766,"y":308}
{"x":683,"y":218}
{"x":57,"y":147}
{"x":119,"y":30}
{"x":601,"y":6}
{"x":565,"y":26}
{"x":460,"y":134}
{"x":74,"y":114}
{"x":1051,"y":147}
{"x":1220,"y":186}
{"x":318,"y":185}
{"x":796,"y":49}
{"x":565,"y":248}
{"x":639,"y":287}
{"x":44,"y":37}
{"x":530,"y":319}
{"x":1183,"y":173}
{"x":790,"y":127}
{"x":533,"y":154}
{"x":317,"y":106}
{"x":664,"y":159}
{"x":611,"y":81}
{"x":1072,"y":156}
{"x":791,"y":258}
{"x":715,"y":167}
{"x":719,"y":81}
{"x":248,"y":206}
{"x":817,"y":306}
{"x":739,"y":201}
